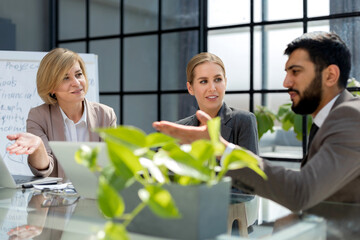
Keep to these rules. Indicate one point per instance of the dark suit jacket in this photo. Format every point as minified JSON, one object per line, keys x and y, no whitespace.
{"x":47,"y":122}
{"x":333,"y":168}
{"x":237,"y":126}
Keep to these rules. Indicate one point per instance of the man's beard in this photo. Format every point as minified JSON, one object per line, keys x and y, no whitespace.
{"x":310,"y":98}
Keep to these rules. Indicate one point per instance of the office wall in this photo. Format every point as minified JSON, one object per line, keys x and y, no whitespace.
{"x":31,"y":20}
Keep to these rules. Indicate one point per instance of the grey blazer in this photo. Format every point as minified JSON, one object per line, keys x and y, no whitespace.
{"x":237,"y":126}
{"x":47,"y":122}
{"x":332,"y":171}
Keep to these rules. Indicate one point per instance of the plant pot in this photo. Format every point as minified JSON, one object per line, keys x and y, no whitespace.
{"x":204,"y":212}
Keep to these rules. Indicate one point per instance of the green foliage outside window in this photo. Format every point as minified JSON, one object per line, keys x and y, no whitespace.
{"x":266,"y":120}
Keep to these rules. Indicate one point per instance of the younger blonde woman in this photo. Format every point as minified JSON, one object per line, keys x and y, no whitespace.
{"x":206,"y":80}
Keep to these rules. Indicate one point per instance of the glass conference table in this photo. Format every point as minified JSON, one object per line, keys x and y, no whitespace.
{"x":31,"y":214}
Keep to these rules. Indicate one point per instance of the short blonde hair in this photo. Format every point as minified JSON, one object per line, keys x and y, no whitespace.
{"x":52,"y":70}
{"x":199,"y":59}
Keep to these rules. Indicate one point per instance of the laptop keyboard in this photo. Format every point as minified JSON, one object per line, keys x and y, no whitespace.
{"x":20,"y":179}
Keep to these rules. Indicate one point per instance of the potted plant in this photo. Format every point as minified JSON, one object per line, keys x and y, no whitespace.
{"x":152,"y":176}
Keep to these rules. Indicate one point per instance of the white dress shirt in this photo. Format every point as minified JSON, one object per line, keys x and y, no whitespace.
{"x":76,"y":132}
{"x":324,"y":112}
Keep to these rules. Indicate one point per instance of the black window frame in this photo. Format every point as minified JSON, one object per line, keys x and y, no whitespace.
{"x":203,"y":31}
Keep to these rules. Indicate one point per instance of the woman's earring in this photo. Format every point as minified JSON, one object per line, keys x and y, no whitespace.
{"x":52,"y":95}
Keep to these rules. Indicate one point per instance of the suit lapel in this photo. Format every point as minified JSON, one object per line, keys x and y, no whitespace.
{"x":193,"y":121}
{"x":57,"y":121}
{"x":225,"y":114}
{"x":91,"y":122}
{"x":343,"y":97}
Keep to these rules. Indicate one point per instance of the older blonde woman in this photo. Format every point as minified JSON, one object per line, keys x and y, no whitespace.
{"x":206,"y":80}
{"x":66,"y":115}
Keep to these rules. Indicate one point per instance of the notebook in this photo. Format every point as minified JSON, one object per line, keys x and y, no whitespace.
{"x":18,"y":181}
{"x":84,"y":181}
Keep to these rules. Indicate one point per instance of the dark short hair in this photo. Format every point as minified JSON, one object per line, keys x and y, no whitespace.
{"x":324,"y":48}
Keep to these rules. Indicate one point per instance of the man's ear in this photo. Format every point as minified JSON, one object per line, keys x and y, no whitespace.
{"x":190,"y":89}
{"x":332,"y":75}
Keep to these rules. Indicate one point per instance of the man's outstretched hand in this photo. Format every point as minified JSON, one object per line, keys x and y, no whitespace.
{"x":186,"y":134}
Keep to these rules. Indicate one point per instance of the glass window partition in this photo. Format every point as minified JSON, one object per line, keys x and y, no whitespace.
{"x":233,"y":47}
{"x":144,"y":47}
{"x":104,"y":17}
{"x":72,"y":13}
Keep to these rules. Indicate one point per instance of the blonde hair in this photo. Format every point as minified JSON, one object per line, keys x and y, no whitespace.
{"x":52,"y":70}
{"x":199,"y":59}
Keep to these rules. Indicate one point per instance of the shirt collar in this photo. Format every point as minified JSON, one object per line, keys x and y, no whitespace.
{"x":324,"y":112}
{"x":82,"y":119}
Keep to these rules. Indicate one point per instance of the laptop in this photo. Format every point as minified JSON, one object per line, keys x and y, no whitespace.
{"x":18,"y":181}
{"x":84,"y":181}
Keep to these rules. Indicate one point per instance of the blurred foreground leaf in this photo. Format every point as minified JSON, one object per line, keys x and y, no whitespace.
{"x":110,"y":202}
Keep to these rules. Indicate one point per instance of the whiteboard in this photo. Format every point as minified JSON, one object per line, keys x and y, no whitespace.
{"x":18,"y":95}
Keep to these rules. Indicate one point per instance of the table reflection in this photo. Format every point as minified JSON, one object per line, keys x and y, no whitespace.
{"x":30,"y":214}
{"x":338,"y":220}
{"x":343,"y":219}
{"x":35,"y":220}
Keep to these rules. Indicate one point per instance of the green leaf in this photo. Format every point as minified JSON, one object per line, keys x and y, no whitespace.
{"x":110,"y":203}
{"x":287,"y":119}
{"x":168,"y":147}
{"x":182,"y":163}
{"x":298,"y":126}
{"x":262,"y":125}
{"x":202,"y":150}
{"x":165,"y":172}
{"x":309,"y":122}
{"x":114,"y":231}
{"x":186,"y":181}
{"x":219,"y":148}
{"x":158,"y":140}
{"x":270,"y":119}
{"x":286,"y":125}
{"x":123,"y":159}
{"x":265,"y":120}
{"x":190,"y":166}
{"x":153,"y":169}
{"x":87,"y":157}
{"x":150,"y":154}
{"x":214,"y":129}
{"x":291,"y":120}
{"x":128,"y":136}
{"x":240,"y":158}
{"x":284,"y":109}
{"x":117,"y":181}
{"x":159,"y":201}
